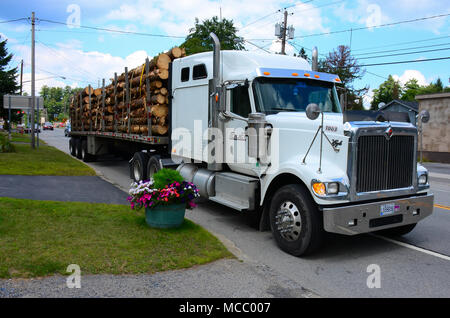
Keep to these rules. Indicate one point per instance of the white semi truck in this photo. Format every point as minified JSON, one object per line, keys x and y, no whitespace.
{"x":266,"y":134}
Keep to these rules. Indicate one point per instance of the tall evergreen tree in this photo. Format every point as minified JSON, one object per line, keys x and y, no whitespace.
{"x":8,"y":84}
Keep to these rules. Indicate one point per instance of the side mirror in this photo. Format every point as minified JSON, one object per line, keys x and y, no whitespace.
{"x":313,"y":111}
{"x":424,"y":116}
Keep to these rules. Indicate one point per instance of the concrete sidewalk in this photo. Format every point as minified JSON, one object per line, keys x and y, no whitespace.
{"x":61,"y":188}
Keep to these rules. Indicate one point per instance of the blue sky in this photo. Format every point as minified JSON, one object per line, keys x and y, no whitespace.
{"x":84,"y":56}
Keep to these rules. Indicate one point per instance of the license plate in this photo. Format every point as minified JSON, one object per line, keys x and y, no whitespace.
{"x":386,"y":209}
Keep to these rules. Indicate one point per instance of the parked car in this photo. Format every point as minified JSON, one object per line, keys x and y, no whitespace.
{"x":36,"y":129}
{"x":47,"y":126}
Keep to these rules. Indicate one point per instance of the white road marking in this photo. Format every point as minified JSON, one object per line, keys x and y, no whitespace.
{"x":419,"y":249}
{"x":439,"y":175}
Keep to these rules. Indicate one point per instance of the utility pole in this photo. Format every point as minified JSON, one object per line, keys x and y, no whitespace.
{"x":282,"y":31}
{"x":33,"y":93}
{"x":21,"y":77}
{"x":283,"y":36}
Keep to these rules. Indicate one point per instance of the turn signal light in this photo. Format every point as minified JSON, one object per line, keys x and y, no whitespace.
{"x":266,"y":73}
{"x":319,"y":188}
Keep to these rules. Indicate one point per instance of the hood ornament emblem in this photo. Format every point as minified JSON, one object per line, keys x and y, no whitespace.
{"x":388,"y":133}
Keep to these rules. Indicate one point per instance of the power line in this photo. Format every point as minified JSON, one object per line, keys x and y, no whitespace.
{"x":317,"y":7}
{"x":112,"y":30}
{"x":403,"y":62}
{"x":409,"y":48}
{"x":14,"y":20}
{"x":58,"y":75}
{"x":275,"y":12}
{"x":67,"y":59}
{"x":406,"y":53}
{"x":401,"y":43}
{"x":257,"y":46}
{"x":375,"y":26}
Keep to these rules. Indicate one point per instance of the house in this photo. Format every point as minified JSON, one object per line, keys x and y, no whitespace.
{"x":412,"y":108}
{"x":436,"y":133}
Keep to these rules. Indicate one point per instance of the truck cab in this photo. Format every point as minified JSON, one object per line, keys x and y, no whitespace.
{"x":266,"y":133}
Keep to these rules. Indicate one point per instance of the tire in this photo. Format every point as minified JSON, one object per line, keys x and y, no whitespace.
{"x":78,"y":148}
{"x":398,"y":231}
{"x":153,"y":166}
{"x":72,"y":148}
{"x":138,"y":167}
{"x":85,"y":156}
{"x":295,"y":221}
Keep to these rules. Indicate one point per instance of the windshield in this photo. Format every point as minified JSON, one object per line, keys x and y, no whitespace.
{"x":273,"y":95}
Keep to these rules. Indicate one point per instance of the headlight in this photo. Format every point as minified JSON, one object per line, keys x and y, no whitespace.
{"x":333,"y":188}
{"x":423,"y":179}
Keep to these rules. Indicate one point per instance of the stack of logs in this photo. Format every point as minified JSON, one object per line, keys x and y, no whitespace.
{"x":133,"y":102}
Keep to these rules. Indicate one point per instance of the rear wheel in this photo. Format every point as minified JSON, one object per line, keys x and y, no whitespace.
{"x":85,"y":156}
{"x":153,"y":166}
{"x":295,"y":221}
{"x":139,"y":166}
{"x":72,"y":148}
{"x":78,"y":148}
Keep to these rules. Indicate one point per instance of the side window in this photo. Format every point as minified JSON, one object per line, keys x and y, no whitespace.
{"x":199,"y":72}
{"x":185,"y":74}
{"x":240,"y":101}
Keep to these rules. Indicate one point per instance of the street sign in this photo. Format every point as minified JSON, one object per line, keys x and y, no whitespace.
{"x":22,"y":102}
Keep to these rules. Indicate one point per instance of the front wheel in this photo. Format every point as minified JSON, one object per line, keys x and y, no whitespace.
{"x":295,"y":221}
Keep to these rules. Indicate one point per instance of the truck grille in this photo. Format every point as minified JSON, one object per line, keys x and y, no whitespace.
{"x":384,"y":164}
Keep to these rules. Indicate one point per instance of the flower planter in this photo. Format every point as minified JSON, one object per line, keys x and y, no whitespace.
{"x":165,"y":216}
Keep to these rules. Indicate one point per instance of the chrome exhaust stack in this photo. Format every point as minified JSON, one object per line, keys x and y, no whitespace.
{"x":315,"y":59}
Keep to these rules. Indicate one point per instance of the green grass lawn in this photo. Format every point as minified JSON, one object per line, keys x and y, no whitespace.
{"x":44,"y":161}
{"x":17,"y":137}
{"x":40,"y":238}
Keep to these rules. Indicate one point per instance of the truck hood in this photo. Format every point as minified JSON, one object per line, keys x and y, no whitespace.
{"x":333,"y":122}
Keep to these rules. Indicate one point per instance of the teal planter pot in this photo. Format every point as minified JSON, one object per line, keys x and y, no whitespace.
{"x":165,"y":216}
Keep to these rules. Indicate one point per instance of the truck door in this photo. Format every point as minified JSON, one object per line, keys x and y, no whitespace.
{"x":236,"y":142}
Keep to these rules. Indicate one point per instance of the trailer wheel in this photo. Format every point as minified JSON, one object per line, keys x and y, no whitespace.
{"x":153,"y":166}
{"x":78,"y":148}
{"x":295,"y":221}
{"x":139,"y":166}
{"x":72,"y":148}
{"x":85,"y":156}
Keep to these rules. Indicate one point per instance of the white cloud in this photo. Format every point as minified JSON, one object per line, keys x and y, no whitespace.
{"x":367,"y":99}
{"x":410,"y":74}
{"x":176,"y":17}
{"x":79,"y":68}
{"x":275,"y":47}
{"x":374,"y":12}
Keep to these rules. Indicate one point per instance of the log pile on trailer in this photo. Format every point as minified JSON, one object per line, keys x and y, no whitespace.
{"x":135,"y":102}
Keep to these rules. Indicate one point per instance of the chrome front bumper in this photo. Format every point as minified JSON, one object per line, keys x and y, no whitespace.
{"x":364,"y":218}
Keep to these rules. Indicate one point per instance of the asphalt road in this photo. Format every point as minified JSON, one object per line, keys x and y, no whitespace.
{"x":416,"y":266}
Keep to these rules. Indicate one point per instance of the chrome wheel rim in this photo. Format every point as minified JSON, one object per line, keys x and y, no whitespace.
{"x":136,"y":171}
{"x":288,"y":221}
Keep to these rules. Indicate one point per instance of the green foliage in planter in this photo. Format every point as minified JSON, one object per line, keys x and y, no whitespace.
{"x":165,"y":176}
{"x":5,"y":144}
